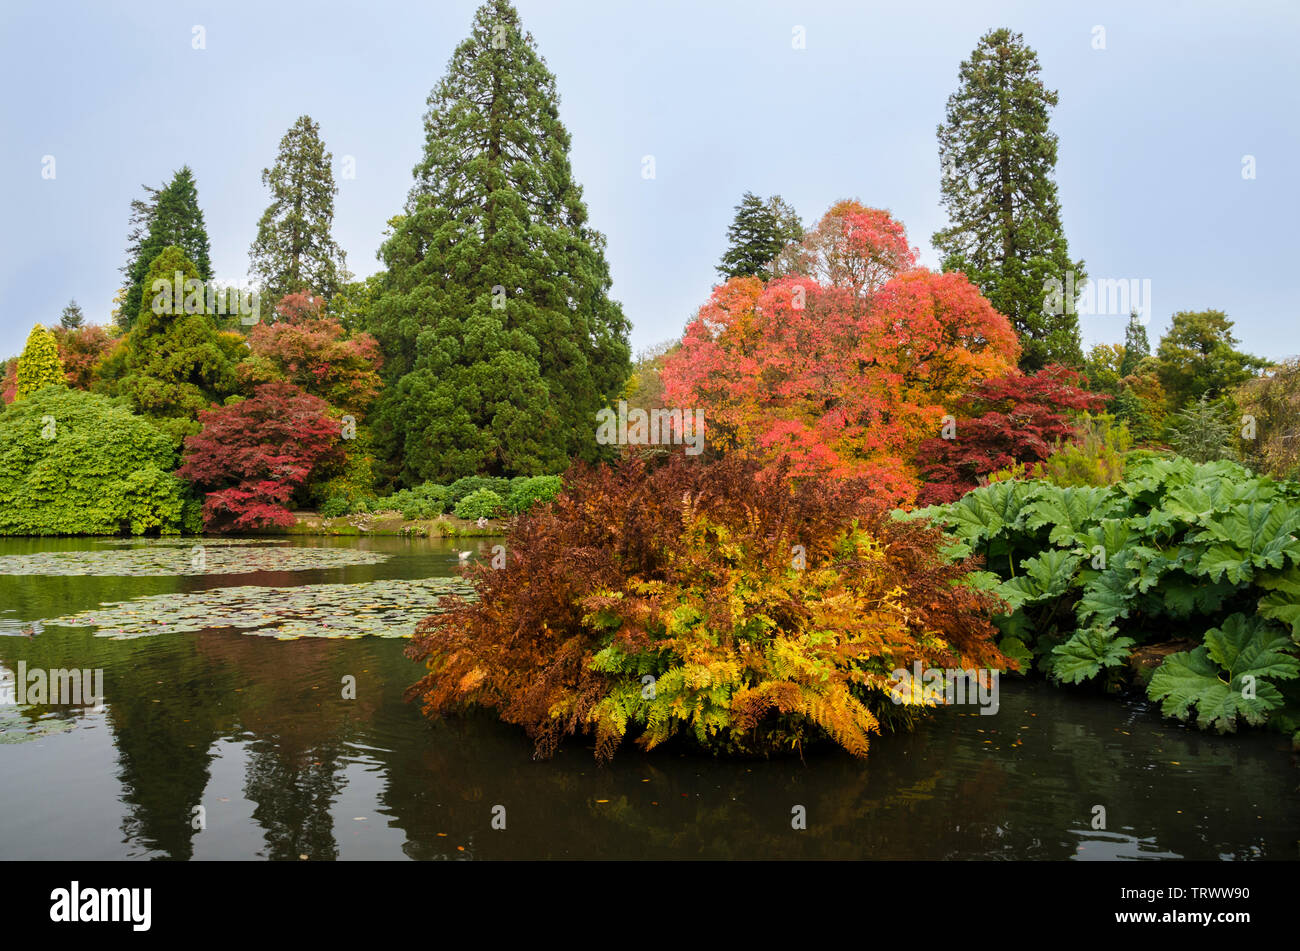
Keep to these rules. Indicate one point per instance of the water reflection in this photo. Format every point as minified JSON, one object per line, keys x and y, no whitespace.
{"x":318,"y":775}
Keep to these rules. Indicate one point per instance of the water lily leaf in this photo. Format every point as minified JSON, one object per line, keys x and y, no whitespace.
{"x":390,"y":608}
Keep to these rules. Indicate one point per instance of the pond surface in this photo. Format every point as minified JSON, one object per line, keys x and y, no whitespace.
{"x":255,"y":730}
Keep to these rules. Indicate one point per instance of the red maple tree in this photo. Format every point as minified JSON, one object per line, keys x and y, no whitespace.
{"x":253,"y":456}
{"x":1004,"y":421}
{"x":832,"y":382}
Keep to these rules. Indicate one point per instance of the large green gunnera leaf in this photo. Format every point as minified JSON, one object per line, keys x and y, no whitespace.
{"x":1228,"y":677}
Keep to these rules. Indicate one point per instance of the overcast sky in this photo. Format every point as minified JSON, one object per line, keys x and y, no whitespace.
{"x":1153,"y":132}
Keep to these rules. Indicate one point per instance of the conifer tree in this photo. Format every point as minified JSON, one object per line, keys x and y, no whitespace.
{"x":757,"y":234}
{"x":176,"y":362}
{"x":39,"y":364}
{"x":1136,"y":346}
{"x":294,"y":250}
{"x":72,"y":317}
{"x":174,"y":219}
{"x":998,"y":156}
{"x":500,"y":338}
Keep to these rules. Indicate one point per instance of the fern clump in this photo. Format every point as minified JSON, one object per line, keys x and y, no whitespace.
{"x":706,"y":601}
{"x":1175,"y":547}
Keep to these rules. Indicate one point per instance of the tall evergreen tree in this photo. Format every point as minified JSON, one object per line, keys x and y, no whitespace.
{"x":142,"y":212}
{"x":72,"y":317}
{"x":500,"y":337}
{"x":294,"y":250}
{"x":1136,"y":346}
{"x":998,"y":157}
{"x":174,"y":219}
{"x":758,"y":233}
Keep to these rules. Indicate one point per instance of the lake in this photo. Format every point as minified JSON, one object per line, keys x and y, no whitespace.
{"x":228,"y":744}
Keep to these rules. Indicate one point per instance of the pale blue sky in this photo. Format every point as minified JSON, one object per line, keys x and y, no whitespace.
{"x":1153,"y":129}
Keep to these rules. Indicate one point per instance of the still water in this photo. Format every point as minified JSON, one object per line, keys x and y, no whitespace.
{"x":256,"y":732}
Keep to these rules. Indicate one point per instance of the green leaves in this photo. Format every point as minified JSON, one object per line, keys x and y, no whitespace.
{"x":77,"y":463}
{"x":1084,"y":655}
{"x":1251,"y":535}
{"x":1169,"y":551}
{"x":1224,"y":679}
{"x":1069,"y":512}
{"x":1282,"y":603}
{"x":1046,"y":576}
{"x":988,"y":511}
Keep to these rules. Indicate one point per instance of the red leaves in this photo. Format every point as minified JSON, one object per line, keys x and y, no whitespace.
{"x":1009,"y":420}
{"x":315,"y":353}
{"x":831,"y":383}
{"x":254,"y":455}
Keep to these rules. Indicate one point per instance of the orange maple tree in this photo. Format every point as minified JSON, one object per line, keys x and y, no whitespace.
{"x":834,"y":380}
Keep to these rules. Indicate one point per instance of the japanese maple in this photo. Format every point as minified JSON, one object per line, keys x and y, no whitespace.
{"x":1014,"y":419}
{"x":251,"y":457}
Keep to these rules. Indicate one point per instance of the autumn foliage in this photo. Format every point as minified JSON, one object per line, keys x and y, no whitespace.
{"x":1014,"y":419}
{"x":315,"y":353}
{"x":80,"y":351}
{"x":832,"y":383}
{"x":254,"y":455}
{"x":734,"y":606}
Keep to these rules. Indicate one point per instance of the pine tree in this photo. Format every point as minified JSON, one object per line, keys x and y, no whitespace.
{"x":72,"y":317}
{"x":293,"y":250}
{"x":1136,"y":346}
{"x":174,"y":219}
{"x":39,"y":364}
{"x":501,"y":341}
{"x":998,"y":156}
{"x":757,"y":234}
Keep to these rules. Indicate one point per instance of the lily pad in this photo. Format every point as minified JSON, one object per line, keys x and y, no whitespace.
{"x":389,"y":608}
{"x":15,"y":728}
{"x":193,"y":558}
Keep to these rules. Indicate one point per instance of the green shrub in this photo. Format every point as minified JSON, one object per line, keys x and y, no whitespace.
{"x":468,"y":485}
{"x":525,"y":493}
{"x":1176,"y":549}
{"x":428,"y":500}
{"x":335,"y":506}
{"x":77,"y":463}
{"x":483,"y":503}
{"x":1204,"y":431}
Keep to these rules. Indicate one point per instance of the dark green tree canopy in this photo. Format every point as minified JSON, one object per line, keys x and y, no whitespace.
{"x":173,"y":219}
{"x":758,"y":233}
{"x":1198,"y":356}
{"x":294,"y":250}
{"x":998,"y":156}
{"x":501,"y":341}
